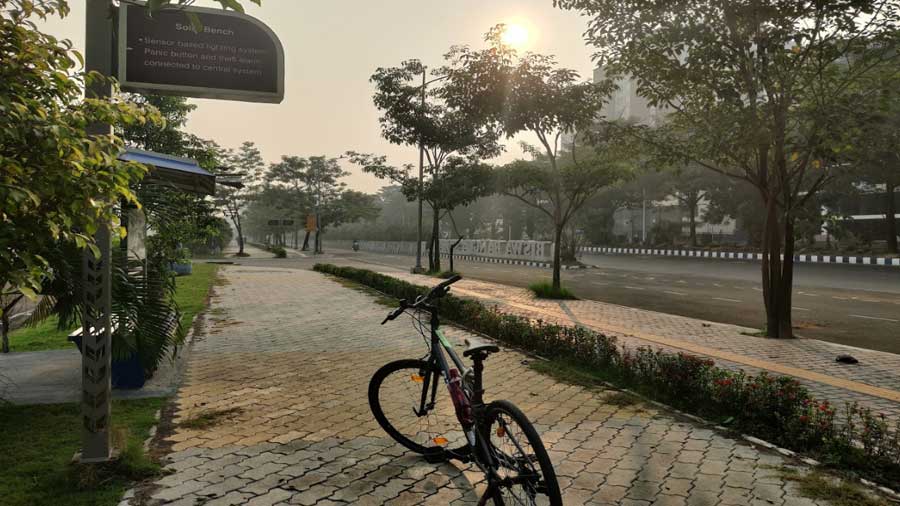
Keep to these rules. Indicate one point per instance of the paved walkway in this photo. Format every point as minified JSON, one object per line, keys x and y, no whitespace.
{"x":292,"y":352}
{"x":874,"y":382}
{"x":51,"y":377}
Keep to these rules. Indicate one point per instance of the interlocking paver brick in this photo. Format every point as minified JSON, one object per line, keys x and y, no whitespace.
{"x":297,"y":365}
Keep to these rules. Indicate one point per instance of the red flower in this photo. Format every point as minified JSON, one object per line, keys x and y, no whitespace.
{"x":804,"y":419}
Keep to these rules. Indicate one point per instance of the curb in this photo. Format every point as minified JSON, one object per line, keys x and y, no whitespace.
{"x":739,"y":255}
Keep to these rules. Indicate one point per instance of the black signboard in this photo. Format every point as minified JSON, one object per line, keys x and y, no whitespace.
{"x":287,"y":223}
{"x":228,"y":56}
{"x":274,"y":223}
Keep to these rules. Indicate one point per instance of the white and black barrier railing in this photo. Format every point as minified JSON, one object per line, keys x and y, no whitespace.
{"x":741,"y":255}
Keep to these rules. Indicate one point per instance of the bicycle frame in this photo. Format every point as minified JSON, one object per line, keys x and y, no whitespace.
{"x":439,"y":346}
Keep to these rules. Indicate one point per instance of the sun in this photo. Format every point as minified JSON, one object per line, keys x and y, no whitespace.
{"x":514,"y":35}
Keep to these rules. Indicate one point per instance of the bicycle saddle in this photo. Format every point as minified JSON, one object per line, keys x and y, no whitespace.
{"x":476,"y":347}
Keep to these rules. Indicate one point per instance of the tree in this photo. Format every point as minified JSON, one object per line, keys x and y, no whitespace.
{"x":415,"y":115}
{"x":232,"y":201}
{"x":559,"y":187}
{"x":530,"y":93}
{"x":690,"y":186}
{"x":760,"y":85}
{"x":293,"y":173}
{"x":877,"y":156}
{"x":457,"y":182}
{"x":58,"y":183}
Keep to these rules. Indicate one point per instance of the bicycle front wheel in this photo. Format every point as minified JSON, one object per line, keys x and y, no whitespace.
{"x":521,"y":461}
{"x":411,"y":403}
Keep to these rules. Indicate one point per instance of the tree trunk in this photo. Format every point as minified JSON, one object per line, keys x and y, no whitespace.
{"x":240,"y":231}
{"x":557,"y":282}
{"x":693,"y":211}
{"x":4,"y":323}
{"x":777,"y":274}
{"x":430,"y":248}
{"x":891,"y":219}
{"x":436,"y":237}
{"x":306,"y":242}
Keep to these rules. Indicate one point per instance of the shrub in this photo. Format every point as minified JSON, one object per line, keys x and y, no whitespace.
{"x":279,"y":252}
{"x":545,"y":290}
{"x":775,"y":408}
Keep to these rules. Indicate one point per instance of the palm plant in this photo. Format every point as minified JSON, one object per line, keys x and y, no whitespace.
{"x":145,"y":315}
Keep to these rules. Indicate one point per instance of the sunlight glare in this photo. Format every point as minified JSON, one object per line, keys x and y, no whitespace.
{"x":515,"y":35}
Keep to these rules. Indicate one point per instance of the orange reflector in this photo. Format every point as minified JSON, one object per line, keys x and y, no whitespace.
{"x":417,"y":378}
{"x":440,"y":441}
{"x":501,"y":432}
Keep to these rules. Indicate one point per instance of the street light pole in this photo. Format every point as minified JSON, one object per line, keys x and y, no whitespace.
{"x":418,"y":268}
{"x":96,"y":337}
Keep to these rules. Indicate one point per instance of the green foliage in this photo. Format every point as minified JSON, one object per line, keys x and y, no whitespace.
{"x":546,"y":290}
{"x":45,"y":335}
{"x":760,"y":91}
{"x":778,"y":409}
{"x":37,"y":444}
{"x":57,"y":183}
{"x":279,"y":252}
{"x":192,"y":292}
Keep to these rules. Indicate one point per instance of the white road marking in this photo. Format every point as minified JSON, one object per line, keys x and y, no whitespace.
{"x":839,"y":298}
{"x":717,"y":284}
{"x":674,"y":293}
{"x":808,"y":294}
{"x":599,"y":283}
{"x":726,"y":300}
{"x":757,"y":289}
{"x":633,"y":287}
{"x":681,"y":281}
{"x":799,"y":308}
{"x":873,"y":318}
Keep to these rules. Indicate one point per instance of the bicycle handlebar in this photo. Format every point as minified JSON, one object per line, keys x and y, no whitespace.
{"x":436,"y":293}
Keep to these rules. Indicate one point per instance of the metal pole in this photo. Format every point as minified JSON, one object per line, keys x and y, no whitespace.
{"x":418,"y":268}
{"x":96,"y":348}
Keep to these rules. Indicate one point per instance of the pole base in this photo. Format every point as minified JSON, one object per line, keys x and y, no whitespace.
{"x":418,"y":270}
{"x":80,"y":459}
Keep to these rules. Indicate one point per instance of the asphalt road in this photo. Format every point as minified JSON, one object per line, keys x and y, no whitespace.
{"x":852,"y":305}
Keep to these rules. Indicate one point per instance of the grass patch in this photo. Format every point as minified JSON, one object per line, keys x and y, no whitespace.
{"x":819,"y":486}
{"x":44,"y":336}
{"x":380,"y":298}
{"x":37,"y":444}
{"x":621,"y":399}
{"x":191,"y":291}
{"x":191,"y":298}
{"x":568,"y":373}
{"x":211,"y":418}
{"x":545,"y":290}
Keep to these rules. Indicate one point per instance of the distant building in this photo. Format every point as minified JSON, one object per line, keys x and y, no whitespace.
{"x":645,"y":223}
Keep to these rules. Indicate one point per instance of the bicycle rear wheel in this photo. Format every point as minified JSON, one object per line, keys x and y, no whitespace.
{"x":395,"y":397}
{"x":521,"y":458}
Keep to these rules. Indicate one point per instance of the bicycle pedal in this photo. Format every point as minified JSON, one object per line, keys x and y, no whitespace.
{"x":436,"y":456}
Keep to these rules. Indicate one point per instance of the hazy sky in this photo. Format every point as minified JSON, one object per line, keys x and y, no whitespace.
{"x":333,"y":46}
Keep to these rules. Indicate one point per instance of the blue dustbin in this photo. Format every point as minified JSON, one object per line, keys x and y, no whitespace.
{"x":127,"y":374}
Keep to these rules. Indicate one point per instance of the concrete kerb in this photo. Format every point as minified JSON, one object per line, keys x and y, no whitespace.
{"x":894,"y":495}
{"x":741,"y":255}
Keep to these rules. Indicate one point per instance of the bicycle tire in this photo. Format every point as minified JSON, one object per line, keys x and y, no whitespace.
{"x":448,"y":426}
{"x":550,"y":486}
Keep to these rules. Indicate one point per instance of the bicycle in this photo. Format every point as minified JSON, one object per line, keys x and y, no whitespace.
{"x":497,"y":437}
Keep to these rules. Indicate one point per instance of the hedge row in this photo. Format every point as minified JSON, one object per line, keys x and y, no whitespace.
{"x":777,"y":409}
